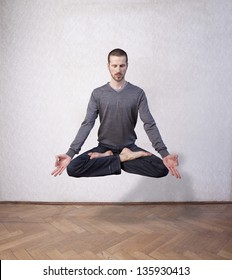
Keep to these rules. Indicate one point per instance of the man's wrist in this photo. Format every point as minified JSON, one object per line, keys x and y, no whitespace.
{"x":71,"y":153}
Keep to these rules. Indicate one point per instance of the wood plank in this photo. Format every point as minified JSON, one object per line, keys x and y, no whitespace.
{"x":153,"y":231}
{"x":22,"y":254}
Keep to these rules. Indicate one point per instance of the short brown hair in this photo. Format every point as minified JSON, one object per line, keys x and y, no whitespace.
{"x":117,"y":52}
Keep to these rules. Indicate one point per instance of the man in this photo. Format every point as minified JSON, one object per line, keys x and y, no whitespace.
{"x":118,"y":104}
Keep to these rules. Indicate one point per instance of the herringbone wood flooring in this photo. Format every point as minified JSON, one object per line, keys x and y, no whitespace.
{"x":171,"y":231}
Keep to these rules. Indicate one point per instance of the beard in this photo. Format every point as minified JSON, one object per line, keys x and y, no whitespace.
{"x":118,"y":77}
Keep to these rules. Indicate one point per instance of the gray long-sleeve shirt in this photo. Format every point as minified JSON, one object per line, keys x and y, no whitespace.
{"x":118,"y":112}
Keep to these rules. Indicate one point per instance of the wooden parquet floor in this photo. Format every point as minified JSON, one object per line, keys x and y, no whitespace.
{"x":171,"y":231}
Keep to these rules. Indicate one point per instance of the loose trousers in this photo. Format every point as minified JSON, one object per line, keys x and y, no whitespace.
{"x":83,"y":166}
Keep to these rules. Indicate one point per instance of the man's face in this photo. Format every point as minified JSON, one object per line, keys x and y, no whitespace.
{"x":117,"y":67}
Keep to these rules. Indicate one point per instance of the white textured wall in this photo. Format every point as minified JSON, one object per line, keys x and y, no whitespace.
{"x":53,"y":53}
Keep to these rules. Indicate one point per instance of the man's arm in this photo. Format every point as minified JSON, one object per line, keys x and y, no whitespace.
{"x":150,"y":127}
{"x":62,"y":161}
{"x":170,"y":161}
{"x":86,"y":127}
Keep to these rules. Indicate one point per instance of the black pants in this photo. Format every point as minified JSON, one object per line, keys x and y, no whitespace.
{"x":83,"y":166}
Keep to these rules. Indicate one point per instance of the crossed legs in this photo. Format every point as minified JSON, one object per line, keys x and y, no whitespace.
{"x":101,"y":161}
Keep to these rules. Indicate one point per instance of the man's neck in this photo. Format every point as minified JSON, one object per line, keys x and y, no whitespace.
{"x":117,"y":85}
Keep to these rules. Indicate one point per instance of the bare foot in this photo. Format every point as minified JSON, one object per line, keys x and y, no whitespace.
{"x":98,"y":155}
{"x":127,"y":154}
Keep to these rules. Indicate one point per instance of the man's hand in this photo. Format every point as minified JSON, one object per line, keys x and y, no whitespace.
{"x":171,"y":162}
{"x":62,"y":161}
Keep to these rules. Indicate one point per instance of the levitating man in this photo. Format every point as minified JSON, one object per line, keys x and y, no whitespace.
{"x":118,"y":104}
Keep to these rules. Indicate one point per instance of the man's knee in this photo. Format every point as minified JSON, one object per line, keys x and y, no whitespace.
{"x":70,"y":169}
{"x":163,"y":171}
{"x":160,"y":170}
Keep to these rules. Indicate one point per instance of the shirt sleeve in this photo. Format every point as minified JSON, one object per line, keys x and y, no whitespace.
{"x":150,"y":127}
{"x":86,"y":127}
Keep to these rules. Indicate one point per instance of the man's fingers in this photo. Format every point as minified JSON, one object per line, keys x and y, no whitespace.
{"x":176,"y":159}
{"x":171,"y":162}
{"x":54,"y":173}
{"x":175,"y":172}
{"x":61,"y":170}
{"x":172,"y":171}
{"x":57,"y":161}
{"x":58,"y":171}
